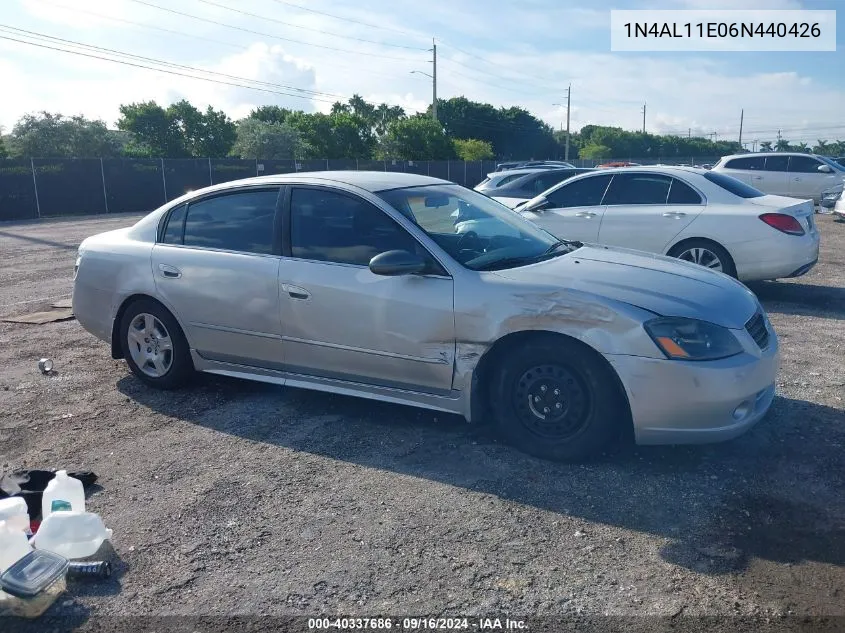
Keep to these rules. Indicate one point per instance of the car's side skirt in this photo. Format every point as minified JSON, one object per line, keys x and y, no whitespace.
{"x":451,"y":403}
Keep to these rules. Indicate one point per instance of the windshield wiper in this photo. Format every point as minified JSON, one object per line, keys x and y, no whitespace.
{"x":507,"y":262}
{"x":570,"y":243}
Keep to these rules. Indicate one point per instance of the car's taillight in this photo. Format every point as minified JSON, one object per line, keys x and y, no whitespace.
{"x":783,"y":222}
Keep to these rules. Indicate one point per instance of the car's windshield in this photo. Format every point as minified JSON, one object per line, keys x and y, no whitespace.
{"x":831,"y":162}
{"x":476,"y":231}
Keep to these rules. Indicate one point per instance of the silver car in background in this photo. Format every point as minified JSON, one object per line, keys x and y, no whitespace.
{"x":357,"y":283}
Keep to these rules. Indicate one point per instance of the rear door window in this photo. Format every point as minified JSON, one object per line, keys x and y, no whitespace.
{"x":240,"y":221}
{"x":626,"y":189}
{"x":777,"y":163}
{"x":682,"y":193}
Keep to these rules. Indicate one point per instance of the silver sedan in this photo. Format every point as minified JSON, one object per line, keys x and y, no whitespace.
{"x":358,"y":283}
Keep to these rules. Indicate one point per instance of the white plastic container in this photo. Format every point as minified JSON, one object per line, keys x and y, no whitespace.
{"x":13,"y":511}
{"x":62,"y":493}
{"x":13,"y":545}
{"x":71,"y":534}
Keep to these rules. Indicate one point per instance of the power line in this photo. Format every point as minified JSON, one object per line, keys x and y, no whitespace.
{"x":346,"y":19}
{"x":163,"y":70}
{"x":112,"y":51}
{"x":306,"y":28}
{"x":262,"y":34}
{"x":196,"y":37}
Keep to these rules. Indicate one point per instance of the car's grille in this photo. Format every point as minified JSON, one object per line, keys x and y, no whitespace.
{"x":756,"y":327}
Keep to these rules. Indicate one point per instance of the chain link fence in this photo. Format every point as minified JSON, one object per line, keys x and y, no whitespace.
{"x":41,"y":188}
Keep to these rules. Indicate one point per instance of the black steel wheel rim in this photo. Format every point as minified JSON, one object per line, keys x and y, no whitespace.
{"x":552,"y":402}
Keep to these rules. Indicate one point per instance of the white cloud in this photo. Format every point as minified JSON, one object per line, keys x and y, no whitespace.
{"x":519,"y":57}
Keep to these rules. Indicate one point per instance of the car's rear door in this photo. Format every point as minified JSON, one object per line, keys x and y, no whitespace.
{"x":646,"y":210}
{"x":748,"y":169}
{"x":342,"y":321}
{"x":575,"y":208}
{"x":216,"y":268}
{"x":774,"y":178}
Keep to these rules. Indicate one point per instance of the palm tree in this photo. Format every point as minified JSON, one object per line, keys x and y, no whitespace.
{"x":821,"y":147}
{"x":782,"y":145}
{"x":802,"y":147}
{"x":766,"y":146}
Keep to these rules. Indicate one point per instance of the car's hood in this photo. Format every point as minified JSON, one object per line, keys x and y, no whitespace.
{"x":662,"y":285}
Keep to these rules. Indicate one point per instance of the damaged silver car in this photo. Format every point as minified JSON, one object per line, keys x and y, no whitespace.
{"x":359,"y":283}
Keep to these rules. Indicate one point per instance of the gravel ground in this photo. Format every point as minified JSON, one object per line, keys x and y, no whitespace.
{"x":241,"y":498}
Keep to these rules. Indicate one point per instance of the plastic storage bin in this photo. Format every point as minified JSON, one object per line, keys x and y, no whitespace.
{"x":33,"y":583}
{"x":13,"y":511}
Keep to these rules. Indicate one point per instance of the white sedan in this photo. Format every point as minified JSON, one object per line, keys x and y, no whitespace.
{"x":695,"y":215}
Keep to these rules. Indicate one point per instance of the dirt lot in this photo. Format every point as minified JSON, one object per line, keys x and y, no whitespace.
{"x":243,"y":498}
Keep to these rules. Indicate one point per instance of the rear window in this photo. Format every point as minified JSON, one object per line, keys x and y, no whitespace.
{"x":734,"y":186}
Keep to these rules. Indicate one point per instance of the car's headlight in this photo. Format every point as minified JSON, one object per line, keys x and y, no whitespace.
{"x":831,"y":196}
{"x":690,"y":339}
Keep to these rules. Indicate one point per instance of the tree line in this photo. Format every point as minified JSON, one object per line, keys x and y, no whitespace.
{"x":465,"y":130}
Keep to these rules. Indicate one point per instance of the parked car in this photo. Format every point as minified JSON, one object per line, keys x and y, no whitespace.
{"x":839,"y":207}
{"x":500,"y":178}
{"x":784,"y":173}
{"x":526,"y":187}
{"x":358,"y":283}
{"x":840,"y":160}
{"x":547,"y":164}
{"x":617,"y":164}
{"x":704,"y":217}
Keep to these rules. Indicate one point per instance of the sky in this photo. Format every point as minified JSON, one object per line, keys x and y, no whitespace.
{"x":306,"y":54}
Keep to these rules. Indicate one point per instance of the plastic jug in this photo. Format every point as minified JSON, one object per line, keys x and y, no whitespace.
{"x":62,"y":493}
{"x":71,"y":534}
{"x":13,"y":511}
{"x":13,"y":545}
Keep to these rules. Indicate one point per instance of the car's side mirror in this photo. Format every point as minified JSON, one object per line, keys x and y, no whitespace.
{"x":394,"y":263}
{"x":537,"y":204}
{"x":826,"y":169}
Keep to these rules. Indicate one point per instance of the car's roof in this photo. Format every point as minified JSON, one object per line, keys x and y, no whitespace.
{"x":372,"y":181}
{"x":664,"y":169}
{"x":763,"y":154}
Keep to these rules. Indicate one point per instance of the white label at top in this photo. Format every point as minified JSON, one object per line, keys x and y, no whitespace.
{"x":723,"y":30}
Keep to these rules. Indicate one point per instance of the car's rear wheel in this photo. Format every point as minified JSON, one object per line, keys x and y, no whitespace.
{"x":557,"y":399}
{"x":705,"y":253}
{"x":154,"y":346}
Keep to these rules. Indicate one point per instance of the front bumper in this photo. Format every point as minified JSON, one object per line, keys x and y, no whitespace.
{"x":678,"y":402}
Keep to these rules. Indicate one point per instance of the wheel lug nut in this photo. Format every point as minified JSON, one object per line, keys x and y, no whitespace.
{"x":557,"y":392}
{"x":546,"y":410}
{"x":558,"y":406}
{"x":543,"y":388}
{"x":536,"y":398}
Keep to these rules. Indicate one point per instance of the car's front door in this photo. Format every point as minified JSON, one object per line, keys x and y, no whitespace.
{"x":646,"y":211}
{"x":805,"y":179}
{"x":216,"y":267}
{"x":575,"y":209}
{"x":339,"y":319}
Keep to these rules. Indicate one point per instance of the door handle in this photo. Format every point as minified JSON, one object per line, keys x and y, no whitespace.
{"x":797,"y":179}
{"x":756,"y":178}
{"x":170,"y":272}
{"x":296,"y":292}
{"x":585,"y":214}
{"x":674,"y":214}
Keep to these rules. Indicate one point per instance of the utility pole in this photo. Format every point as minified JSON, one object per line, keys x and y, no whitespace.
{"x":434,"y":80}
{"x":644,"y":118}
{"x":689,"y":132}
{"x":776,"y":146}
{"x":754,"y":145}
{"x":568,"y":101}
{"x":741,"y":117}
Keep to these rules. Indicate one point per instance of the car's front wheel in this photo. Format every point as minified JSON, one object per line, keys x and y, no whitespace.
{"x":556,"y":399}
{"x":154,"y":346}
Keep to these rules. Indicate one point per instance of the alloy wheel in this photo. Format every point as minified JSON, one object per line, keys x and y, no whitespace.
{"x":150,"y":345}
